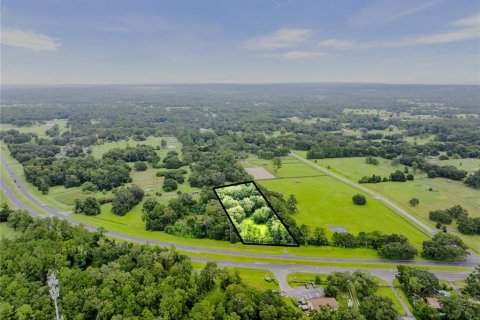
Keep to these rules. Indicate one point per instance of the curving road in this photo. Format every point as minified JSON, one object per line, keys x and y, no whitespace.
{"x":280,"y":270}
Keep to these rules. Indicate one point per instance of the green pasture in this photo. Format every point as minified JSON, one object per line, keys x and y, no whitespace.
{"x":37,"y":128}
{"x":172,"y":145}
{"x":445,"y":193}
{"x":291,"y":167}
{"x":326,"y":202}
{"x":420,"y":140}
{"x":256,"y":278}
{"x":296,"y":279}
{"x":470,"y":165}
{"x":6,"y":231}
{"x":251,"y":276}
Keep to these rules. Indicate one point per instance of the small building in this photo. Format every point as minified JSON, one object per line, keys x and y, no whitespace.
{"x":317,"y":303}
{"x":444,"y":293}
{"x":305,"y":308}
{"x":434,"y":303}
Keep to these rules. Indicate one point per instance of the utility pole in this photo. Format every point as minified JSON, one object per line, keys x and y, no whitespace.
{"x":52,"y":282}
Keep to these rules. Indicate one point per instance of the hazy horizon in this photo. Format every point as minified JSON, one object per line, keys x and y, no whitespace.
{"x":249,"y":42}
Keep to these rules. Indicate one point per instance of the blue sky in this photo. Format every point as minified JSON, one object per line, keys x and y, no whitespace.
{"x":97,"y":42}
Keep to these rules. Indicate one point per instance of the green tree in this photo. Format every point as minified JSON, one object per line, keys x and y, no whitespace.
{"x":414,"y":202}
{"x":91,"y":207}
{"x":4,"y":212}
{"x":140,"y":166}
{"x":473,"y":283}
{"x":277,"y":164}
{"x":163,"y":143}
{"x":378,"y":308}
{"x":445,"y":246}
{"x":359,"y":199}
{"x":398,"y":250}
{"x":169,"y":185}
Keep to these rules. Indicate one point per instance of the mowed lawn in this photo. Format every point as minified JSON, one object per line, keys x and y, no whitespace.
{"x":289,"y":169}
{"x":37,"y":128}
{"x":326,"y":202}
{"x":446,"y":193}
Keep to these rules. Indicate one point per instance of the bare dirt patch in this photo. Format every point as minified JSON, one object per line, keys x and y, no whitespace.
{"x":259,"y":173}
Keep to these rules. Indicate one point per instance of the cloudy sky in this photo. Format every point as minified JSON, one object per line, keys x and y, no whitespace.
{"x":245,"y":41}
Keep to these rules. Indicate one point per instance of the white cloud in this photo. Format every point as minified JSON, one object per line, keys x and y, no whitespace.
{"x":470,"y":30}
{"x":29,"y":40}
{"x":335,"y":43}
{"x":282,"y":38}
{"x":301,"y":54}
{"x":471,"y":21}
{"x":391,"y":10}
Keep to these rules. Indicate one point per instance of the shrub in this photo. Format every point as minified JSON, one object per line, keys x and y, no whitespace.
{"x":440,"y":216}
{"x":444,"y":246}
{"x":261,"y":215}
{"x":359,"y":199}
{"x":140,"y":166}
{"x":89,"y":187}
{"x":169,"y":185}
{"x":371,"y":160}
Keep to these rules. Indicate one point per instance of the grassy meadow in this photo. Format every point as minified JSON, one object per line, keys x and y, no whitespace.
{"x":326,"y":202}
{"x":445,"y":193}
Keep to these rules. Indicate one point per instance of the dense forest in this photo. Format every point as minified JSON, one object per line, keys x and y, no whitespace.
{"x":252,"y":216}
{"x":100,"y":278}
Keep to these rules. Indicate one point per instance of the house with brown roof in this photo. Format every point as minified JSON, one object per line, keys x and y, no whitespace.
{"x":434,"y":303}
{"x":317,"y":303}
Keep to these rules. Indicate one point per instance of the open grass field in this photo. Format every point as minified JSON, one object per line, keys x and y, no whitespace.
{"x":469,"y":165}
{"x":420,"y":140}
{"x":38,"y":128}
{"x":289,"y":169}
{"x":6,"y":231}
{"x":256,"y":278}
{"x":252,"y":276}
{"x":296,"y":279}
{"x":326,"y":202}
{"x":444,"y":195}
{"x":172,"y":144}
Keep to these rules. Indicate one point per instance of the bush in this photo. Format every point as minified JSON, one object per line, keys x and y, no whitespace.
{"x":398,"y":250}
{"x":125,"y":199}
{"x":440,"y":216}
{"x":140,"y":166}
{"x":444,"y":246}
{"x":410,"y":177}
{"x":473,"y":180}
{"x":398,"y":176}
{"x":371,"y":160}
{"x":169,"y":185}
{"x":261,"y":215}
{"x":91,"y":207}
{"x":359,"y":199}
{"x":89,"y":187}
{"x":414,"y":202}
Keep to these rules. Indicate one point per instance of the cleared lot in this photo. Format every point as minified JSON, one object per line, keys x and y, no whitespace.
{"x":259,"y":173}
